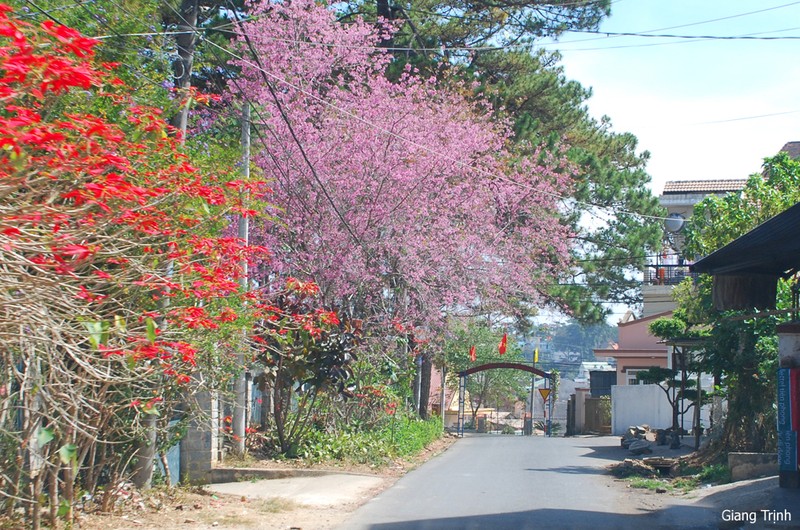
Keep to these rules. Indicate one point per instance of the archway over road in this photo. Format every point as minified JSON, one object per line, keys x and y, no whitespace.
{"x":462,"y":385}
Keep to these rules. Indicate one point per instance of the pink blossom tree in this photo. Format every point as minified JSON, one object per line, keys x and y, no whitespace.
{"x":398,"y":197}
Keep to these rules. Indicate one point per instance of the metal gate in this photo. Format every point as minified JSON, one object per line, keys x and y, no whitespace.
{"x":598,"y":417}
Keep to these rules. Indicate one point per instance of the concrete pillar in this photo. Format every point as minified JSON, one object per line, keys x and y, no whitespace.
{"x":789,"y":404}
{"x":200,"y":446}
{"x":580,"y":409}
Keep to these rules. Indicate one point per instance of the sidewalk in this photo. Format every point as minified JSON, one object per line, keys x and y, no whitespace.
{"x":321,"y":490}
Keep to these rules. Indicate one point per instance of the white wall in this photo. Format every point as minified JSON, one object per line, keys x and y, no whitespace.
{"x":639,"y":405}
{"x":647,"y":405}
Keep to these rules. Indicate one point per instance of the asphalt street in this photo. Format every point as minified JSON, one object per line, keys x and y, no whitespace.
{"x":515,"y":482}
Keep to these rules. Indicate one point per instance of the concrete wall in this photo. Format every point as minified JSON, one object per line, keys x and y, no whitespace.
{"x":648,"y":405}
{"x":745,"y":466}
{"x":638,"y":405}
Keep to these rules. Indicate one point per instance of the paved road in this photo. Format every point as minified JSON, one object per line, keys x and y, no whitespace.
{"x":515,"y":482}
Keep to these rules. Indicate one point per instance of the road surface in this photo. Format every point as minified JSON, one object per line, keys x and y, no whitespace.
{"x":515,"y":482}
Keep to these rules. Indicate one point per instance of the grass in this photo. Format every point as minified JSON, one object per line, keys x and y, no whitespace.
{"x":690,"y":479}
{"x":649,"y":483}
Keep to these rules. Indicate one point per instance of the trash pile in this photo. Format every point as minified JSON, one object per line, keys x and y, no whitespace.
{"x":653,"y":467}
{"x":636,"y":439}
{"x":631,"y":467}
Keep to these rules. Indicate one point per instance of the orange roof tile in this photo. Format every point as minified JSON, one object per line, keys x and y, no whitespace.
{"x":704,"y":186}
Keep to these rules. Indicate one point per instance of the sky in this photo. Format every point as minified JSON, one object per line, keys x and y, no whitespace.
{"x":703,"y":108}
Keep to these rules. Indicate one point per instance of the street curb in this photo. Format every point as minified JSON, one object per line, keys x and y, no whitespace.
{"x":239,"y":474}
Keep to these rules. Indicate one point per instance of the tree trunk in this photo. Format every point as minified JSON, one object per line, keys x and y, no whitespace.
{"x":143,"y":470}
{"x":385,"y":11}
{"x":165,"y":464}
{"x":266,"y":403}
{"x":425,"y":386}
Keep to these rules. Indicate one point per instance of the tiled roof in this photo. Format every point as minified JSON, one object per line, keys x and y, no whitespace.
{"x":704,"y":186}
{"x":792,"y":148}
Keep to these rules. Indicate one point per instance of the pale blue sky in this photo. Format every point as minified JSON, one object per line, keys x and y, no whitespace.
{"x":705,"y":109}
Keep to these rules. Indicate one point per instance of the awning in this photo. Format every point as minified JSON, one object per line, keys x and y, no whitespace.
{"x":772,"y":248}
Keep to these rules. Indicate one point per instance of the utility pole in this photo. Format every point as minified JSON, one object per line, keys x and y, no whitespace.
{"x":186,"y":41}
{"x":182,"y":75}
{"x":534,"y":360}
{"x":239,"y":419}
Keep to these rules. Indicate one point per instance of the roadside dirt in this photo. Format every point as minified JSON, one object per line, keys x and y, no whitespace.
{"x":198,"y":508}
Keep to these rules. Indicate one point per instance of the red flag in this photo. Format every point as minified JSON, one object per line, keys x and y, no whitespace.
{"x":502,"y":347}
{"x":473,"y":356}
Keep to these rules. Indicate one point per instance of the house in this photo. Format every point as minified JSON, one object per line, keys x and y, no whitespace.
{"x":636,"y":348}
{"x":670,"y":267}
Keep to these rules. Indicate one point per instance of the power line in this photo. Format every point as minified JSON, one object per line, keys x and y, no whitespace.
{"x":49,"y":11}
{"x":748,"y":117}
{"x":701,"y":22}
{"x":675,"y":36}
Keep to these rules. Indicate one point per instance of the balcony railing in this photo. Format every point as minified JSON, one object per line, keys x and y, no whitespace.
{"x":663,"y":274}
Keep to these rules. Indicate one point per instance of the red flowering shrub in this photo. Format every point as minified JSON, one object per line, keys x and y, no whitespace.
{"x":306,"y":351}
{"x":110,"y":271}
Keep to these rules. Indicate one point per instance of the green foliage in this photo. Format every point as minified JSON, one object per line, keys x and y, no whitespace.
{"x":605,"y":408}
{"x":542,"y":426}
{"x":714,"y":474}
{"x":555,"y":382}
{"x":649,"y":483}
{"x":397,"y":437}
{"x":454,"y":25}
{"x":716,"y":221}
{"x":688,"y":479}
{"x":668,"y":328}
{"x":656,"y":376}
{"x":146,"y":59}
{"x":574,"y":341}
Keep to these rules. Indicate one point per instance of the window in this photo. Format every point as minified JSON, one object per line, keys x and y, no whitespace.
{"x":630,"y":377}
